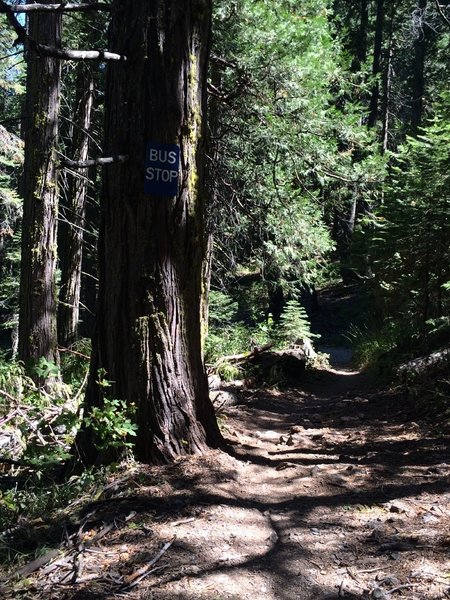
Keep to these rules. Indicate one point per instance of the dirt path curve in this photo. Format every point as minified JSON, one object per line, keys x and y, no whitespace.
{"x":330,"y":491}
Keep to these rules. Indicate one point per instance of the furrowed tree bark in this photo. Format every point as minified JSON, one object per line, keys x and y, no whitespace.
{"x":37,"y":318}
{"x":151,"y":249}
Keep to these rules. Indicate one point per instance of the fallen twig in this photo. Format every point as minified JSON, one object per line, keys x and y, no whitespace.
{"x":373,"y":570}
{"x":404,"y":586}
{"x":133,"y":579}
{"x":176,"y":523}
{"x":348,"y":570}
{"x":36,"y":564}
{"x":80,"y":390}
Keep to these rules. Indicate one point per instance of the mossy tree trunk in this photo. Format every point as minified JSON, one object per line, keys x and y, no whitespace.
{"x":151,"y":249}
{"x":37,"y":318}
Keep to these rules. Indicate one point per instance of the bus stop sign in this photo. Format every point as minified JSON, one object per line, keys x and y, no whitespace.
{"x":162,"y":164}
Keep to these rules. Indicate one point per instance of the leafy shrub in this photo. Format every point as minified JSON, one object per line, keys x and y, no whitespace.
{"x":45,"y":421}
{"x":75,"y":362}
{"x":111,"y":424}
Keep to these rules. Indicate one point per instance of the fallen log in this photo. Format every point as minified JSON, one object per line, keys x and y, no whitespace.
{"x":244,"y":356}
{"x":425,"y":365}
{"x":289,"y":363}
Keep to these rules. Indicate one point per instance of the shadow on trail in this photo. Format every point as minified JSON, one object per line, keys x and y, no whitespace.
{"x":309,"y":531}
{"x":287,"y":580}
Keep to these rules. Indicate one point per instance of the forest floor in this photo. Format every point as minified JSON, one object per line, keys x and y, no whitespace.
{"x":331,"y":489}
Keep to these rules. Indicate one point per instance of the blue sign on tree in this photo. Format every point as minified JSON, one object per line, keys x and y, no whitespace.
{"x":162,"y":163}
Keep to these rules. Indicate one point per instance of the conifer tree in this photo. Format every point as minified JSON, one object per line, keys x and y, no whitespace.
{"x":152,"y":245}
{"x":37,"y":318}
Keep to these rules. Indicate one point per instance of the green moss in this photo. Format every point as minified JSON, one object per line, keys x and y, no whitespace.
{"x":40,"y":120}
{"x":193,"y":180}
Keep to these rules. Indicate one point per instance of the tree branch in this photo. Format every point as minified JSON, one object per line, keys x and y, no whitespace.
{"x":84,"y":164}
{"x":102,"y":55}
{"x":61,"y":7}
{"x":42,"y":49}
{"x":442,"y":13}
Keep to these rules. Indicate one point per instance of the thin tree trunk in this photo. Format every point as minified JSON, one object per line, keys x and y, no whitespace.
{"x":37,"y":319}
{"x":151,"y":249}
{"x":206,"y":285}
{"x":73,"y":231}
{"x":418,"y":80}
{"x":426,"y":295}
{"x":361,"y":41}
{"x":387,"y":97}
{"x":342,"y":232}
{"x":376,"y":66}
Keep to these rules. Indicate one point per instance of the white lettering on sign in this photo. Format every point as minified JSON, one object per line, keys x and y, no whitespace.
{"x":155,"y":174}
{"x":162,"y":163}
{"x":162,"y":156}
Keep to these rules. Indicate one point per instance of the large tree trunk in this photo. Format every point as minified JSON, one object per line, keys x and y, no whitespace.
{"x":73,"y":227}
{"x":148,"y":338}
{"x":37,"y":319}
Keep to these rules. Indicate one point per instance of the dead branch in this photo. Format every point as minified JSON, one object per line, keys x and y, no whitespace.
{"x":237,"y":358}
{"x":401,"y":587}
{"x":34,"y":565}
{"x":133,"y":579}
{"x":425,"y":364}
{"x":8,"y":396}
{"x":440,"y":8}
{"x":60,"y":7}
{"x":44,"y":50}
{"x":84,"y":164}
{"x":74,"y":352}
{"x":15,"y":463}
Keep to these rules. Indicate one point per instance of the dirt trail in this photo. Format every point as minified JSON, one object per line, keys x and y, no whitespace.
{"x":330,"y":491}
